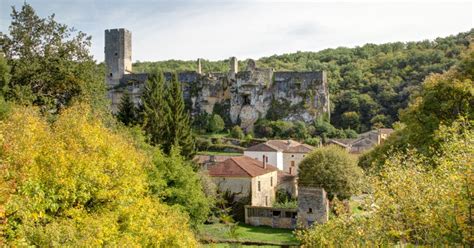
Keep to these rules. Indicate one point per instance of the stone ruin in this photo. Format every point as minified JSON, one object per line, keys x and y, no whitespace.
{"x":313,"y":206}
{"x":241,"y":96}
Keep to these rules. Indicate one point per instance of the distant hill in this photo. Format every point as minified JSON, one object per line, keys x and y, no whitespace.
{"x":369,"y":84}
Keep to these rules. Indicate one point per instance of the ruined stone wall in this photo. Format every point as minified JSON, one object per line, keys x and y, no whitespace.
{"x":313,"y":206}
{"x":247,"y":95}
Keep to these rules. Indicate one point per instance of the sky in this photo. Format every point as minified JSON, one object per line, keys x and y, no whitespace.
{"x":215,"y":30}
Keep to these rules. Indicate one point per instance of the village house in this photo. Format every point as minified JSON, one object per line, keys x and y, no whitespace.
{"x":364,"y":141}
{"x":245,"y":176}
{"x":285,"y":154}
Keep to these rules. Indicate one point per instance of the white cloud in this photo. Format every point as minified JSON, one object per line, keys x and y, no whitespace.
{"x":220,"y":29}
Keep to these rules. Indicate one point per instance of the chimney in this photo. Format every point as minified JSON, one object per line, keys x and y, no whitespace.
{"x":234,"y":66}
{"x":212,"y":158}
{"x":264,"y":161}
{"x":199,"y":68}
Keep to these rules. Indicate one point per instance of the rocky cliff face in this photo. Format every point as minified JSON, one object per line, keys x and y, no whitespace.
{"x":244,"y":97}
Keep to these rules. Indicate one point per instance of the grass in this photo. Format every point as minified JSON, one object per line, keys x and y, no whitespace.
{"x":219,"y":153}
{"x":219,"y":233}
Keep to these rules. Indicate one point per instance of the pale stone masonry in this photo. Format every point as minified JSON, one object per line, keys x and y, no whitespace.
{"x":243,"y":96}
{"x":313,"y":206}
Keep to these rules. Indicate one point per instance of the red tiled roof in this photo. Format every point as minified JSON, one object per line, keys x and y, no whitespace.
{"x":242,"y":166}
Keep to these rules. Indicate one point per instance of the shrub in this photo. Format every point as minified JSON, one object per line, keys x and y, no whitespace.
{"x":236,"y":132}
{"x":216,"y":124}
{"x":76,"y":183}
{"x":333,"y":169}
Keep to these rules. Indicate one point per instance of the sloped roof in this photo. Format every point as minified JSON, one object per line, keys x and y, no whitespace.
{"x":242,"y":166}
{"x":289,"y":146}
{"x":263,"y":147}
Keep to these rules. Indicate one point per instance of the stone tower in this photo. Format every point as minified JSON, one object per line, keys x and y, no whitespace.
{"x":118,"y":55}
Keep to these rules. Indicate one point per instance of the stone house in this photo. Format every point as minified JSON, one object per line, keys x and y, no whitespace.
{"x":285,"y":154}
{"x":365,"y":141}
{"x":245,"y":176}
{"x":313,"y":208}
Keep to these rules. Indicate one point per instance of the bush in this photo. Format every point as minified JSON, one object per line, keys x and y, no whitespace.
{"x":76,"y":183}
{"x":236,"y":132}
{"x":202,"y":144}
{"x":333,"y":169}
{"x":314,"y":141}
{"x":416,"y":200}
{"x":216,"y":124}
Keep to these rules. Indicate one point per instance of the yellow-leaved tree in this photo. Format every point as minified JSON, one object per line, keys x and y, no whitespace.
{"x":76,"y":183}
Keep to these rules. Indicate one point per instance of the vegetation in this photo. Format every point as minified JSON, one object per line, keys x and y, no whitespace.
{"x":50,"y":64}
{"x":412,"y":203}
{"x":333,"y":169}
{"x":442,"y":99}
{"x":74,"y":182}
{"x":260,"y":234}
{"x":372,"y":81}
{"x":216,"y":124}
{"x":127,"y":112}
{"x":165,"y":119}
{"x":420,"y":179}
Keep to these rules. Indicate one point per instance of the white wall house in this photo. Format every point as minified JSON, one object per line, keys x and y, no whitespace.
{"x":285,"y":154}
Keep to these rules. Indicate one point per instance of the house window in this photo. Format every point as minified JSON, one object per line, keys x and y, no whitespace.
{"x":266,"y":158}
{"x":266,"y":200}
{"x":292,"y":163}
{"x":276,"y":213}
{"x":110,"y":74}
{"x":271,"y":181}
{"x":310,"y":211}
{"x":292,"y":155}
{"x":290,"y":170}
{"x":259,"y":186}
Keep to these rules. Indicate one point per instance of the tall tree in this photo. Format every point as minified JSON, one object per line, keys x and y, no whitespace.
{"x":50,"y":63}
{"x":154,"y":106}
{"x":178,"y":127}
{"x":128,"y":113}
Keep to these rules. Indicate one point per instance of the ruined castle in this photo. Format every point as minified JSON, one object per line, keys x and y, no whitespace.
{"x":244,"y":96}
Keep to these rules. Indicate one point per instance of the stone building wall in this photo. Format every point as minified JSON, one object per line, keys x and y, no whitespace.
{"x":241,"y":186}
{"x":266,"y":195}
{"x":246,"y":95}
{"x":288,"y":158}
{"x":313,"y":206}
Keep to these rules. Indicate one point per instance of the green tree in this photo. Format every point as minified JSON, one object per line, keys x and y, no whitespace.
{"x":4,"y":74}
{"x":50,"y":63}
{"x":442,"y":99}
{"x":154,"y":107}
{"x":350,"y":120}
{"x":177,"y":128}
{"x":216,"y":124}
{"x":237,"y":133}
{"x":127,"y":112}
{"x":182,"y":186}
{"x":333,"y":169}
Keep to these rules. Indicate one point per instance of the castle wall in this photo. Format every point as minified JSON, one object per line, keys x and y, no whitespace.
{"x":248,"y":95}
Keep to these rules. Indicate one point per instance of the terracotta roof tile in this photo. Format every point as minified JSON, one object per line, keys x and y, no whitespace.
{"x":241,"y":166}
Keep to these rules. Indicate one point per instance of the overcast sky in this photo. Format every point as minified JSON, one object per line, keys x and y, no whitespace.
{"x":215,"y":30}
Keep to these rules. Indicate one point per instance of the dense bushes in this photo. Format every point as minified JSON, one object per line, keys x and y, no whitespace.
{"x":412,"y":203}
{"x":74,"y":182}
